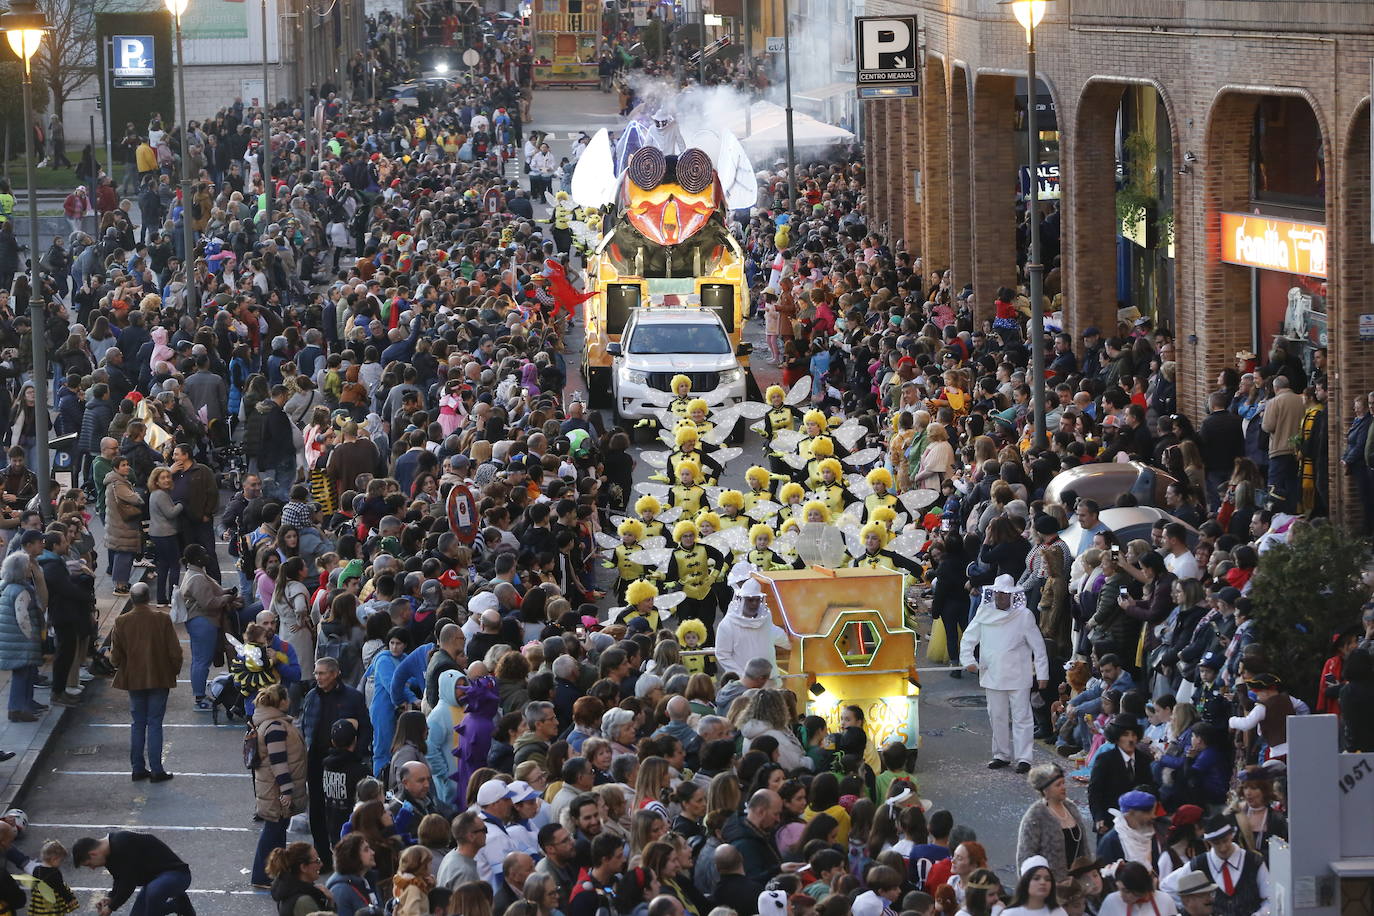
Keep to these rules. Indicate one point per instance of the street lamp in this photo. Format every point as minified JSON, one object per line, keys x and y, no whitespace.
{"x":1029,"y":13}
{"x":178,"y":9}
{"x":24,"y":26}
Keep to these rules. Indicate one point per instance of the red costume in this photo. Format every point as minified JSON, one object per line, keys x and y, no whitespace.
{"x":565,"y":297}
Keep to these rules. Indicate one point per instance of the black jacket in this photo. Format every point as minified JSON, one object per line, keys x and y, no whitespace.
{"x":278,"y":441}
{"x":1109,"y":780}
{"x":760,"y":854}
{"x":738,"y":892}
{"x":1221,"y":438}
{"x":135,"y":859}
{"x":343,"y":770}
{"x":69,"y":601}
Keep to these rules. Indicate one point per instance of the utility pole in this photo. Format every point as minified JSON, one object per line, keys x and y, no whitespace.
{"x":791,"y":148}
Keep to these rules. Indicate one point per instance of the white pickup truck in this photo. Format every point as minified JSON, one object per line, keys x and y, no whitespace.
{"x":659,"y":343}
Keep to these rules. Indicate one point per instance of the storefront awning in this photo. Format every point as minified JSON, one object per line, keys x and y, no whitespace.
{"x":821,"y":93}
{"x":1354,"y":868}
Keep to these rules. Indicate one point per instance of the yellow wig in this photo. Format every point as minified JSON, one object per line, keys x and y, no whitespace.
{"x":696,"y":404}
{"x":790,"y":489}
{"x":756,"y":530}
{"x":730,"y":498}
{"x":683,"y":528}
{"x":680,"y":380}
{"x":884,"y":515}
{"x":691,"y":625}
{"x":633,"y":527}
{"x":772,"y":390}
{"x":685,"y":433}
{"x":638,"y":590}
{"x":822,"y":448}
{"x":815,"y":416}
{"x":832,"y":465}
{"x":874,"y":528}
{"x":692,"y":466}
{"x":648,"y":503}
{"x":880,"y":475}
{"x":816,"y":504}
{"x":707,"y":517}
{"x":791,"y":524}
{"x":758,"y":475}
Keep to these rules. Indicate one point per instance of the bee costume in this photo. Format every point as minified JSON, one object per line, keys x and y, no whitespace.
{"x":653,"y":528}
{"x":691,"y":497}
{"x":695,"y":569}
{"x":696,"y":664}
{"x":765,"y":557}
{"x":627,"y":571}
{"x":875,"y":501}
{"x":834,"y":495}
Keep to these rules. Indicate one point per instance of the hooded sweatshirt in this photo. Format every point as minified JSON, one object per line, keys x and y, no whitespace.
{"x":443,"y":720}
{"x":740,"y":638}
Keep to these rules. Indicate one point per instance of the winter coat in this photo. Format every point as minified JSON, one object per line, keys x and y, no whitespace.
{"x":740,"y":638}
{"x":1012,"y":651}
{"x":791,"y":754}
{"x":95,"y":423}
{"x":1041,"y":834}
{"x":123,"y":512}
{"x":292,"y":605}
{"x":145,"y":650}
{"x":21,"y":626}
{"x":279,"y":739}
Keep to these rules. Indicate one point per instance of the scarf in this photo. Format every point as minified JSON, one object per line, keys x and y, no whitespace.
{"x":1136,"y":844}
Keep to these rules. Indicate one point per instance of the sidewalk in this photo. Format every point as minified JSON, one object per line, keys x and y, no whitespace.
{"x":28,"y":740}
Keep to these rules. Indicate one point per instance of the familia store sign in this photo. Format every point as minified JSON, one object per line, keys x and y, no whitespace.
{"x":1273,"y":244}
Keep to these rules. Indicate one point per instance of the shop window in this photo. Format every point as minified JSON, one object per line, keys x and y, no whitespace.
{"x":1287,"y":159}
{"x":858,"y":642}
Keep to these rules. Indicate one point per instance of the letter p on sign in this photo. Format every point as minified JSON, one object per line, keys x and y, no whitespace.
{"x":887,"y":50}
{"x":885,"y":41}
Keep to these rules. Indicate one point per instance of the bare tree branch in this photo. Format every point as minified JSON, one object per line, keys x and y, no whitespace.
{"x":66,"y":61}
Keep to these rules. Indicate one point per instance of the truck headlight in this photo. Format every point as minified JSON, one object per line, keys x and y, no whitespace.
{"x":635,"y":377}
{"x":731,"y":376}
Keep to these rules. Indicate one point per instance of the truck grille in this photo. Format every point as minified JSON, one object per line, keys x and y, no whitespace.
{"x":701,"y":381}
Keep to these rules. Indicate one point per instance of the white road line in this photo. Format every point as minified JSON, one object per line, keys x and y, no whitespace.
{"x":126,"y":773}
{"x":140,"y":827}
{"x":164,"y":725}
{"x":194,"y":890}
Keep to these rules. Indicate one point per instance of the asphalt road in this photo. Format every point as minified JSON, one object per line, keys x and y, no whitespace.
{"x":205,"y":813}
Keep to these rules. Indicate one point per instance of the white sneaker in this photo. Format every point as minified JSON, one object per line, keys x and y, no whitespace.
{"x":85,"y":676}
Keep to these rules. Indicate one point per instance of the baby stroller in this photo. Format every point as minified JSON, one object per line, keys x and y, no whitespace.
{"x":225,"y":693}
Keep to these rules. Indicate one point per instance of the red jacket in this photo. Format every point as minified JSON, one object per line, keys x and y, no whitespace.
{"x":106,"y":199}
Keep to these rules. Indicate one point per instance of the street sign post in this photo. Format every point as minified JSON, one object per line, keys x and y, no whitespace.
{"x":887,"y":55}
{"x":133,"y":64}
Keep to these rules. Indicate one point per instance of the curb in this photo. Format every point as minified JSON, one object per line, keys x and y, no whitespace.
{"x":27,"y":769}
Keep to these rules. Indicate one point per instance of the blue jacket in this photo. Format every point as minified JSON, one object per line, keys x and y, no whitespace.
{"x":322,"y":709}
{"x":70,"y":408}
{"x":1354,"y":440}
{"x":410,"y":673}
{"x":16,"y":649}
{"x":1089,"y":702}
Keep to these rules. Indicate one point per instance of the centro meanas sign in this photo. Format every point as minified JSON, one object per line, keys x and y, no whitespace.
{"x":886,"y":50}
{"x":1273,"y":244}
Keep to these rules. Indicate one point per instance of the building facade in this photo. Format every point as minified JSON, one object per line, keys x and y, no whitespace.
{"x":1248,"y":126}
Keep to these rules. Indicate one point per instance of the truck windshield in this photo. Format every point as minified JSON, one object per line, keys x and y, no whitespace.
{"x":653,"y":339}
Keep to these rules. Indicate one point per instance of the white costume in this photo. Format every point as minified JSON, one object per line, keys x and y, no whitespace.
{"x":740,"y":638}
{"x":1012,"y":655}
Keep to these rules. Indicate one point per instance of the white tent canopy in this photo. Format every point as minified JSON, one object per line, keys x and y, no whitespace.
{"x":768,"y":130}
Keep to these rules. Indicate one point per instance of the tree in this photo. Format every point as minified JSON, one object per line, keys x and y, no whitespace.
{"x":66,"y":61}
{"x":1303,"y":593}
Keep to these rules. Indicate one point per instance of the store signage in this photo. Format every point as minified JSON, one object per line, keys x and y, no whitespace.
{"x":775,"y":44}
{"x":1047,"y":184}
{"x":1367,"y":327}
{"x":886,"y":50}
{"x":1273,"y":244}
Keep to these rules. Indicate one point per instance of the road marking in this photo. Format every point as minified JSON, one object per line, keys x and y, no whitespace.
{"x":194,"y":890}
{"x":140,"y":827}
{"x":126,"y":773}
{"x":164,"y":725}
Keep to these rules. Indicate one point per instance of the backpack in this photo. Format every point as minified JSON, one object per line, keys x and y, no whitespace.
{"x":340,"y":648}
{"x":252,"y":748}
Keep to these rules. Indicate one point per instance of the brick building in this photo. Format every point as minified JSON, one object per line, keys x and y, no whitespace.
{"x":1255,"y":95}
